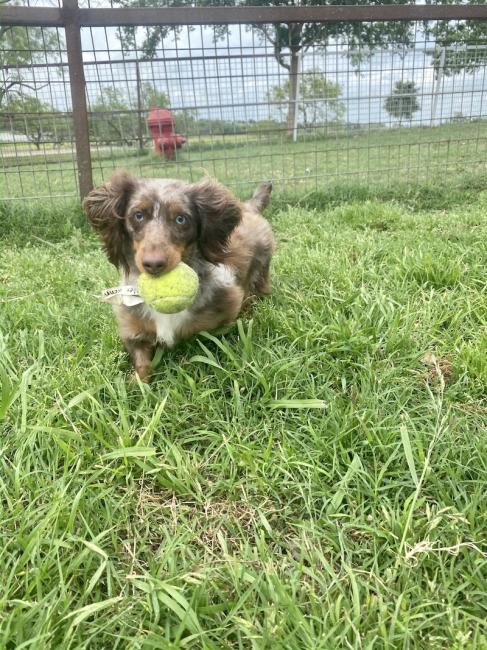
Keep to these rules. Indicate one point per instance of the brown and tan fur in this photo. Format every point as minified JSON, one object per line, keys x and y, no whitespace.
{"x":150,"y":225}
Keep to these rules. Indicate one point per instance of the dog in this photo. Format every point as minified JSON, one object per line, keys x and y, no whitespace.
{"x":151,"y":225}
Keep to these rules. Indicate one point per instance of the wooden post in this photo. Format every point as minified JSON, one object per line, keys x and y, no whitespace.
{"x":70,"y":12}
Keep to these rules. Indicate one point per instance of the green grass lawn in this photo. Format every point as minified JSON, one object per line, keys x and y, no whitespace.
{"x":387,"y":156}
{"x":315,"y":477}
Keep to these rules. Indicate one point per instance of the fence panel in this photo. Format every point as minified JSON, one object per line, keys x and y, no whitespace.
{"x":385,"y":103}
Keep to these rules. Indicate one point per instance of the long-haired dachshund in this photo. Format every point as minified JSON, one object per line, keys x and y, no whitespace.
{"x":150,"y":225}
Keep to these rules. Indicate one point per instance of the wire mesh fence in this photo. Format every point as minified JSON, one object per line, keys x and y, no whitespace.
{"x":306,"y":105}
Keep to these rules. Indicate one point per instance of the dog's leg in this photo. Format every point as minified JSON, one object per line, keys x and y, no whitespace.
{"x":141,"y":353}
{"x":262,"y":285}
{"x":139,"y":336}
{"x":258,"y":280}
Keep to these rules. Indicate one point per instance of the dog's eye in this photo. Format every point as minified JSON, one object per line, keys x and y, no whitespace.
{"x":180,"y":219}
{"x":138,"y":216}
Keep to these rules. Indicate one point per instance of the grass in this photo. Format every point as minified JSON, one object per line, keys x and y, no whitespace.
{"x":314,"y":477}
{"x":386,"y":156}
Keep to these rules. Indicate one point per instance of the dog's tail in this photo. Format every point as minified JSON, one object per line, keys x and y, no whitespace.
{"x":261,"y":197}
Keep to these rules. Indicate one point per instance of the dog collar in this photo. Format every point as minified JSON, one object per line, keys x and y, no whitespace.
{"x":125,"y":295}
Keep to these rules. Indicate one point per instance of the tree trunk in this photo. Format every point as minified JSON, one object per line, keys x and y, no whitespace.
{"x":293,"y":91}
{"x":140,"y":127}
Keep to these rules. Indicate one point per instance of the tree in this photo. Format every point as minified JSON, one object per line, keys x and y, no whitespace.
{"x":152,"y":98}
{"x":318,"y":98}
{"x":22,"y":46}
{"x":463,"y":41}
{"x":288,"y":40}
{"x":28,"y":116}
{"x":403,"y":102}
{"x":23,"y":112}
{"x":113,"y":119}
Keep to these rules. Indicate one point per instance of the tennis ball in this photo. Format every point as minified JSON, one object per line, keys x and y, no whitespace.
{"x":171,"y":292}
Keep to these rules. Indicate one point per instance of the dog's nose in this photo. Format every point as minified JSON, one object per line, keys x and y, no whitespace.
{"x":154,"y":265}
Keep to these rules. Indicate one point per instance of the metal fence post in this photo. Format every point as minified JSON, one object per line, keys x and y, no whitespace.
{"x":140,"y":127}
{"x":78,"y":95}
{"x":296,"y":101}
{"x":437,"y":88}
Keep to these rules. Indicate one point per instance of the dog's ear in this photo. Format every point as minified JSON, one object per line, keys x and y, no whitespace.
{"x":219,"y":213}
{"x":105,"y":207}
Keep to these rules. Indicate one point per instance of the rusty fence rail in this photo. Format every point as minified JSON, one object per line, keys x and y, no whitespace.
{"x":304,"y":119}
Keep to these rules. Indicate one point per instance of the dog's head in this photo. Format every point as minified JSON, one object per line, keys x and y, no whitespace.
{"x":153,"y":223}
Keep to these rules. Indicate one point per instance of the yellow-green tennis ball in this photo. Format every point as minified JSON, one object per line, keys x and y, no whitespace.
{"x":171,"y":292}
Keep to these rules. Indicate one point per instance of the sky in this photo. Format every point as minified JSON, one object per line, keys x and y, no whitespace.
{"x":230,"y":79}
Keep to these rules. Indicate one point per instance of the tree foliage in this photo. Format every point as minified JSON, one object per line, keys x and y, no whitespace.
{"x":39,"y":122}
{"x":288,"y":40}
{"x":116,"y":120}
{"x":23,"y":46}
{"x":111,"y":120}
{"x":22,"y":111}
{"x":318,"y":99}
{"x":464,"y":42}
{"x":152,"y":98}
{"x":361,"y":38}
{"x":26,"y":116}
{"x":403,"y":102}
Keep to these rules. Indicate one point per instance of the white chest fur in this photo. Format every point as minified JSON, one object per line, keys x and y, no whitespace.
{"x":168,"y":326}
